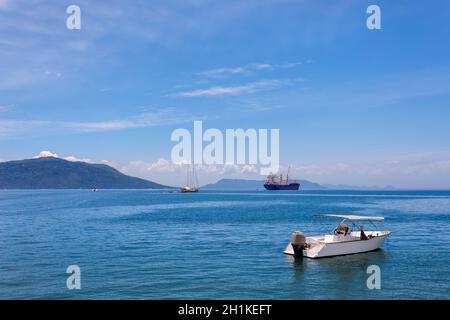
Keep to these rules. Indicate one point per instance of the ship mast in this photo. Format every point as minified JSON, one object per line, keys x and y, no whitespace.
{"x":287,"y":176}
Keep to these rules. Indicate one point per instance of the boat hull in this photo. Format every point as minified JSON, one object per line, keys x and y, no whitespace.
{"x":291,"y":186}
{"x":188,"y":189}
{"x":339,"y":248}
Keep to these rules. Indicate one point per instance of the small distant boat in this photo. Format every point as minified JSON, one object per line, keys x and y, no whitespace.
{"x":191,"y":181}
{"x":274,"y":182}
{"x":343,"y":240}
{"x":94,"y":189}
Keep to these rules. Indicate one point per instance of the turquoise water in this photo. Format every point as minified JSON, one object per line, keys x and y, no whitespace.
{"x":215,"y":245}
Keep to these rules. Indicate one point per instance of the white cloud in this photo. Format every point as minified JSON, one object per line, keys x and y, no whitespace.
{"x":220,"y":71}
{"x":103,"y":125}
{"x":161,"y":166}
{"x":109,"y":163}
{"x":46,"y":154}
{"x":233,"y":90}
{"x":148,"y":119}
{"x":247,"y":69}
{"x":413,"y":170}
{"x":166,"y":172}
{"x":49,"y":154}
{"x":75,"y":159}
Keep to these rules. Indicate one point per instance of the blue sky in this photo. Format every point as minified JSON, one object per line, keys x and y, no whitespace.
{"x":354,"y":106}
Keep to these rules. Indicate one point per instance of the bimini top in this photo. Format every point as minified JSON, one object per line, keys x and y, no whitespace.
{"x":352,"y":217}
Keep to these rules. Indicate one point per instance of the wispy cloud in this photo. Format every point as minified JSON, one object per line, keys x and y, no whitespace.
{"x":106,"y":125}
{"x":168,"y":116}
{"x":247,"y":69}
{"x":5,"y":108}
{"x":234,"y":90}
{"x":146,"y":119}
{"x":18,"y":127}
{"x":246,"y":88}
{"x":31,"y":27}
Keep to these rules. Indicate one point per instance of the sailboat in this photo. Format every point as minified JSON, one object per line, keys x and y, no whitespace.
{"x":191,"y":181}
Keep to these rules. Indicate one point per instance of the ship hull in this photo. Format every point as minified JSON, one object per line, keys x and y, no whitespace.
{"x":188,"y":189}
{"x":291,"y":186}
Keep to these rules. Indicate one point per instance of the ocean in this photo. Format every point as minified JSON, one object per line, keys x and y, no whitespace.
{"x":156,"y":244}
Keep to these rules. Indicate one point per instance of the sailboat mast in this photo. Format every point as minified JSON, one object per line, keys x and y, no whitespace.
{"x":194,"y":176}
{"x":188,"y":175}
{"x":191,"y":179}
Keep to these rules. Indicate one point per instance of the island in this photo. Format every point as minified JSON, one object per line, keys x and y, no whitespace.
{"x":57,"y":173}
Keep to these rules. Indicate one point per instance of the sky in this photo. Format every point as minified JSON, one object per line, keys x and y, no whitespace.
{"x":354,"y":106}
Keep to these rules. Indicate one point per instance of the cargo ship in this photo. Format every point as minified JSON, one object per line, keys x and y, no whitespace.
{"x":274,"y":182}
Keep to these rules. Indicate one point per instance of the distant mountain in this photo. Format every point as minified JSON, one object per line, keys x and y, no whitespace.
{"x":56,"y":173}
{"x":347,"y":187}
{"x":253,"y":184}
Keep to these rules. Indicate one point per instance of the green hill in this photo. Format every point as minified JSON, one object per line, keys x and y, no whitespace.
{"x":56,"y":173}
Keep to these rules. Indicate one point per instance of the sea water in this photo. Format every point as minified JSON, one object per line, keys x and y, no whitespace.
{"x":157,"y":244}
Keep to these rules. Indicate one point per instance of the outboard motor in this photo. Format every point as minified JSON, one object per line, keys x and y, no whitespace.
{"x":298,"y":242}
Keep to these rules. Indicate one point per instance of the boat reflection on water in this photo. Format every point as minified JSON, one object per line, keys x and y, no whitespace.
{"x":344,"y":277}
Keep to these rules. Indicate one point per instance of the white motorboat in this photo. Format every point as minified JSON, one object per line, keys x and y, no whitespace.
{"x":343,"y":240}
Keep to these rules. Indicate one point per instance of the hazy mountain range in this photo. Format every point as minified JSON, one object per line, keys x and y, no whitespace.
{"x":347,"y":187}
{"x":253,"y":184}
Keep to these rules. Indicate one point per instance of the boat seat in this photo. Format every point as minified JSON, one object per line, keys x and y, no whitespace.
{"x":342,"y":228}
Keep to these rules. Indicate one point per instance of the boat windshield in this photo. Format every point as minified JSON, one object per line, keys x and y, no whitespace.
{"x":346,"y":220}
{"x":353,"y":217}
